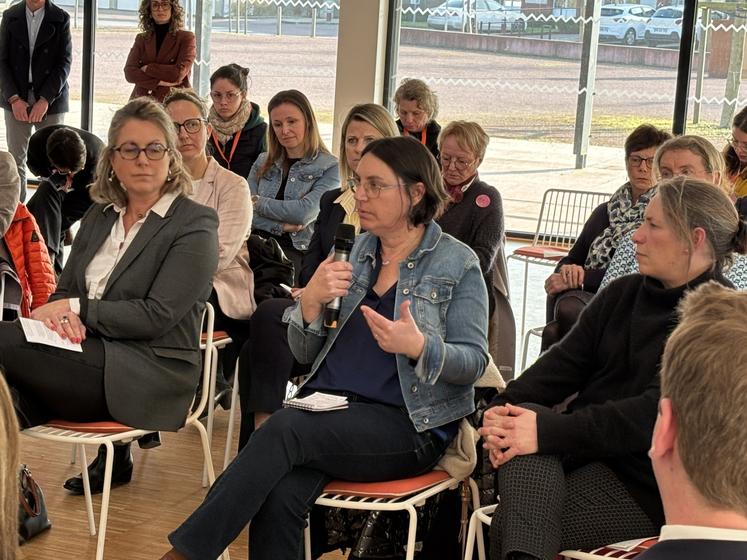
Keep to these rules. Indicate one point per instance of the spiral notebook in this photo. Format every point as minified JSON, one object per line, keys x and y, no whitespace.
{"x":318,"y":402}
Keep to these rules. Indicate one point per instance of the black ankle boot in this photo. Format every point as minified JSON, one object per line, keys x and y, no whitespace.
{"x":121,"y":471}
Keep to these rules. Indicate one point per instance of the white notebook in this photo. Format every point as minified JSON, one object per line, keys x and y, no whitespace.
{"x":318,"y":402}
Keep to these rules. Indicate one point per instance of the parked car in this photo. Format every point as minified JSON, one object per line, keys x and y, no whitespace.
{"x":486,"y":16}
{"x":665,"y":26}
{"x":624,"y":22}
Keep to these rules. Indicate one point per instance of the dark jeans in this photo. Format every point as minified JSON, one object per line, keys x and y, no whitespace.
{"x":276,"y":478}
{"x":52,"y":383}
{"x":55,"y":211}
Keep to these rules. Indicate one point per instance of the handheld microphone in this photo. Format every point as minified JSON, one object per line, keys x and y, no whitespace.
{"x":344,"y":239}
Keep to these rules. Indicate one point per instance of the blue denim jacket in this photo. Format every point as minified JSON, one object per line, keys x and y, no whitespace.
{"x":308,"y":180}
{"x":449,"y":303}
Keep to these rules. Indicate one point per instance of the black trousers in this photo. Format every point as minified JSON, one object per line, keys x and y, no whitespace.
{"x":55,"y":211}
{"x":49,"y":383}
{"x":544,"y":509}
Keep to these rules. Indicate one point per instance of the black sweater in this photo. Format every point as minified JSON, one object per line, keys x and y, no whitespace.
{"x":595,"y":225}
{"x":432,"y":130}
{"x":611,"y":359}
{"x":252,"y":142}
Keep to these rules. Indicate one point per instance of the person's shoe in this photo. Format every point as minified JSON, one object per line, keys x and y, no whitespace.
{"x":121,"y":471}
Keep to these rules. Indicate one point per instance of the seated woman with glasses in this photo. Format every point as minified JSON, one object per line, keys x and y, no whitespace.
{"x":417,"y":106}
{"x":410,"y":345}
{"x":163,"y":53}
{"x":735,"y":154}
{"x":689,"y":156}
{"x":577,"y":276}
{"x":289,"y":179}
{"x":582,"y":478}
{"x":238,"y":129}
{"x":132,"y":294}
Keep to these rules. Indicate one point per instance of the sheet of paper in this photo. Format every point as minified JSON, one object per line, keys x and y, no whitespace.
{"x":627,"y":546}
{"x":318,"y":402}
{"x":39,"y":333}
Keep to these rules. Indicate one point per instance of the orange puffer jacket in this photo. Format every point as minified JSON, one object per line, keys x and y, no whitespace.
{"x":30,"y":259}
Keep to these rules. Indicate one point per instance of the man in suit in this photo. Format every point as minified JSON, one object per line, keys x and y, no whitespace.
{"x":699,"y":446}
{"x":35,"y":56}
{"x":66,"y":158}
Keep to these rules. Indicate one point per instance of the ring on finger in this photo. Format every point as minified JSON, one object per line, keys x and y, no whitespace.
{"x":64,"y":320}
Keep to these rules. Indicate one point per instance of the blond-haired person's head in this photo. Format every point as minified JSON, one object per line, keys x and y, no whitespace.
{"x":691,"y":156}
{"x":699,"y":447}
{"x":8,"y":475}
{"x":462,"y":145}
{"x":363,"y":124}
{"x":143,"y":126}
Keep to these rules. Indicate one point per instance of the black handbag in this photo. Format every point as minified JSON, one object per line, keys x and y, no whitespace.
{"x":270,"y":267}
{"x":32,"y":510}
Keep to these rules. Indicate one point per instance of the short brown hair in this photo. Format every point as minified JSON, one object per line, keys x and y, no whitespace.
{"x":713,"y":161}
{"x":469,"y":135}
{"x":413,"y":163}
{"x":690,"y":203}
{"x":645,"y":136}
{"x":66,"y":150}
{"x":148,"y":24}
{"x":187,"y":94}
{"x":412,"y":89}
{"x":107,"y":189}
{"x":703,"y":374}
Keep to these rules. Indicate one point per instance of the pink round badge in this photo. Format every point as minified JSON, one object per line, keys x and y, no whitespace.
{"x":483,"y":201}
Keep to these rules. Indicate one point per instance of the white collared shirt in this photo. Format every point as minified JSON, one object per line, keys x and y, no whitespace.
{"x":679,"y":532}
{"x":33,"y":23}
{"x":102,"y":265}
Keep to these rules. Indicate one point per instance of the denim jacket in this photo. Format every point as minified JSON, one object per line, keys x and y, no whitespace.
{"x":449,"y":303}
{"x":308,"y":180}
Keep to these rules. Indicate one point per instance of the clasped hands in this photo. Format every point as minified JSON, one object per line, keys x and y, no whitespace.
{"x":58,"y":316}
{"x":508,"y":431}
{"x":22,"y":114}
{"x":332,"y":280}
{"x":569,"y":277}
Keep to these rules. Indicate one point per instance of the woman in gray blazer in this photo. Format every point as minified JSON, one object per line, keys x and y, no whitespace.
{"x":132,"y":293}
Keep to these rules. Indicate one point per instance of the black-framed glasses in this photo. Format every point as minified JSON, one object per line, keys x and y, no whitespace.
{"x":737,"y":145}
{"x":636,"y":161}
{"x":459,"y":163}
{"x":229,"y":96}
{"x":153,"y":151}
{"x":192,"y":126}
{"x":371,"y":188}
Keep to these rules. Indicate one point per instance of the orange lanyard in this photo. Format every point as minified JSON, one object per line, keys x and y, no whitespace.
{"x":233,"y":147}
{"x":422,"y":135}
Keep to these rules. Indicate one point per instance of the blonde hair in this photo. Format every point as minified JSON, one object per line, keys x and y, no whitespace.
{"x":187,"y":94}
{"x":107,"y":189}
{"x":412,"y":89}
{"x":469,"y":135}
{"x":370,"y":113}
{"x":148,"y":24}
{"x":690,"y":203}
{"x":8,"y":475}
{"x":703,"y":374}
{"x":312,"y":140}
{"x":713,"y":160}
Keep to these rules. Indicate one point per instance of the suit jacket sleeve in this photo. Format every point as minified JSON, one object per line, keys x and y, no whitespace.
{"x":59,"y":70}
{"x":316,"y":253}
{"x":132,"y":71}
{"x":175,"y":73}
{"x":190,"y":263}
{"x":8,"y":86}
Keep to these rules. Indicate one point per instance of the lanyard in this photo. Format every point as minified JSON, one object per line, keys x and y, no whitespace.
{"x":233,"y":147}
{"x":422,"y":135}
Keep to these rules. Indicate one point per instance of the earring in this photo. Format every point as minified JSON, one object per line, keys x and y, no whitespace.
{"x":111,"y":176}
{"x":169,"y":178}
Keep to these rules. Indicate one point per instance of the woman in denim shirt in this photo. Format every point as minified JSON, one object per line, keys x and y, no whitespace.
{"x":411,"y":341}
{"x":288,"y":180}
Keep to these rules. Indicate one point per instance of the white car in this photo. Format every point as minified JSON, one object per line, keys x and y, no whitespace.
{"x":665,"y":26}
{"x":624,"y":22}
{"x":487,"y":16}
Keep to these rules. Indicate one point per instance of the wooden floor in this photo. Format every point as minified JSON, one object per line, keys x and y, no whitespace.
{"x":165,"y":489}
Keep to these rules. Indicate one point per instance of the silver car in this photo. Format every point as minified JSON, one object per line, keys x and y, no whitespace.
{"x":624,"y":22}
{"x":486,"y":16}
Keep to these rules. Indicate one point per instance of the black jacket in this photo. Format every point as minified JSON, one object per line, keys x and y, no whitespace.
{"x":330,"y":216}
{"x":251,"y":143}
{"x":432,"y":130}
{"x":53,"y":54}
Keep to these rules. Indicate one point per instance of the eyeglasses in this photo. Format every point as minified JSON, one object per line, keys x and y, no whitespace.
{"x":636,"y":161}
{"x":459,"y":163}
{"x":737,"y":145}
{"x":192,"y":126}
{"x":229,"y":96}
{"x":130,"y":151}
{"x":371,"y":188}
{"x":160,"y":6}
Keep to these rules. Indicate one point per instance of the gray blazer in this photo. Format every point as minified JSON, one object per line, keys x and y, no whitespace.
{"x":149,"y":315}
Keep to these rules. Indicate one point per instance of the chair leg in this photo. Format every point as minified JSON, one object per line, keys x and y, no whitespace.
{"x":231,"y":417}
{"x":475,"y":492}
{"x":525,"y":351}
{"x":104,"y":515}
{"x":74,"y":454}
{"x":471,"y":533}
{"x":211,"y":410}
{"x":412,"y":530}
{"x":86,"y":488}
{"x":307,"y":539}
{"x":524,"y":299}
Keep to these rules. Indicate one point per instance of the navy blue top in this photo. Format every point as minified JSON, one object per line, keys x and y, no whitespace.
{"x":356,"y":364}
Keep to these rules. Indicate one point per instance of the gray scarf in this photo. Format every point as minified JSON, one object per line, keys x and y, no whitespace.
{"x":224,"y":129}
